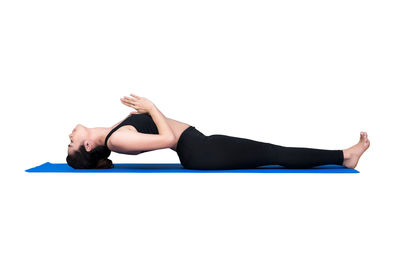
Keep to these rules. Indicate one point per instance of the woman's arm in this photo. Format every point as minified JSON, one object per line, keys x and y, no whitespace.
{"x":143,"y":105}
{"x":161,"y":122}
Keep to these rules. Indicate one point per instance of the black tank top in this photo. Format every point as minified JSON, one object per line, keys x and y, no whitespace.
{"x":142,"y":122}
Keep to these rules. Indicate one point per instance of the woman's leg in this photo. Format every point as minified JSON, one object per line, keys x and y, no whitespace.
{"x":228,"y":152}
{"x":198,"y":151}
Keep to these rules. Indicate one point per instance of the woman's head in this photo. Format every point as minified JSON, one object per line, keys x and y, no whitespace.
{"x":84,"y":152}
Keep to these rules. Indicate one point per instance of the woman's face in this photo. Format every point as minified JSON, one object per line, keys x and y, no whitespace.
{"x":77,"y":137}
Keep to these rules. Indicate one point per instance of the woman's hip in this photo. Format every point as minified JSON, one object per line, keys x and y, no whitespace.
{"x":190,"y":146}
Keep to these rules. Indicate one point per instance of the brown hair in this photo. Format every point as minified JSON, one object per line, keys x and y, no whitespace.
{"x":97,"y":158}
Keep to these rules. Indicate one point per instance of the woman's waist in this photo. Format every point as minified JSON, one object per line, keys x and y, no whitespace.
{"x":177,"y":128}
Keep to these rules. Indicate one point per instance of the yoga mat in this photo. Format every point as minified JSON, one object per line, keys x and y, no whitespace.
{"x":176,"y":167}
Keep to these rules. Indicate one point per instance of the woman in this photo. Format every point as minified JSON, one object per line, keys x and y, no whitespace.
{"x":148,"y":129}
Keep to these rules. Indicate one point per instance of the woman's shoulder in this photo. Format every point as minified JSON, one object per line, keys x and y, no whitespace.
{"x":114,"y":132}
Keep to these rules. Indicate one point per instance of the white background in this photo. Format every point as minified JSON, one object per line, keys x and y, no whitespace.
{"x":294,"y":73}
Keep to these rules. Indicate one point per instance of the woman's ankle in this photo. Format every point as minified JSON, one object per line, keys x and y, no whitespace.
{"x":346,"y":154}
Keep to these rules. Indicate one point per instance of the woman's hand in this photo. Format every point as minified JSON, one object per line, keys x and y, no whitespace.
{"x":141,"y":104}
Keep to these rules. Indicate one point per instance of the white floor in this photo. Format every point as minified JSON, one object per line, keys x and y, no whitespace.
{"x":200,"y":220}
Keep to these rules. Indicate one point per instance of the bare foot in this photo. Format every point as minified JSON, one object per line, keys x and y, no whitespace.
{"x":353,"y":154}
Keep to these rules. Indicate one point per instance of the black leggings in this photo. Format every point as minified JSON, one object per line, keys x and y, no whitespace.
{"x":223,"y":152}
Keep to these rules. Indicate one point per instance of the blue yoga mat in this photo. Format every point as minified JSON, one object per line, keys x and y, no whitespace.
{"x":176,"y":167}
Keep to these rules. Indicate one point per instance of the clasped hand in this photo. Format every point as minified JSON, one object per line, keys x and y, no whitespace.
{"x":141,"y":104}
